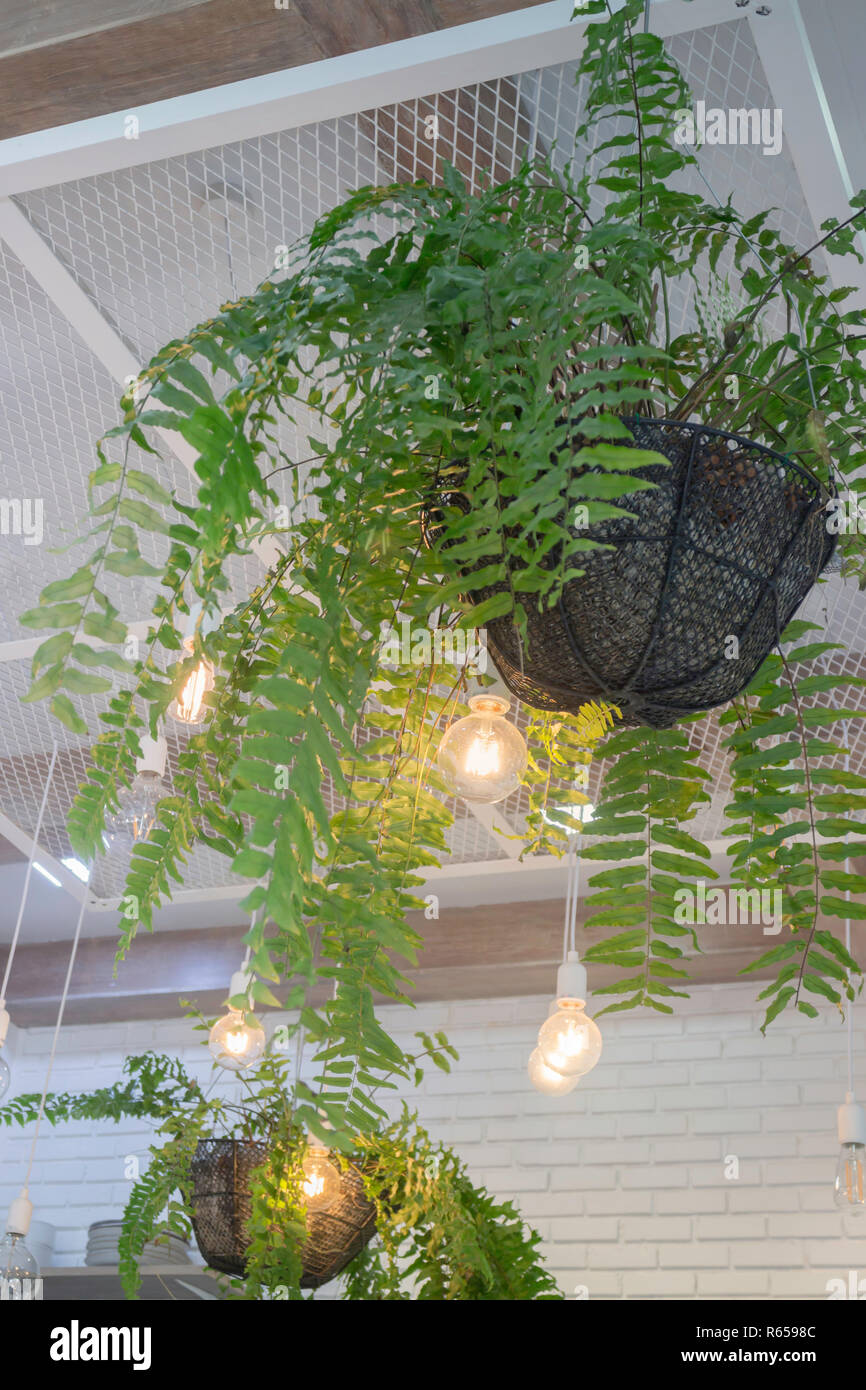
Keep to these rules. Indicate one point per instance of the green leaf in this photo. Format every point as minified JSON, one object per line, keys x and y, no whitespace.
{"x":53,"y":649}
{"x":107,"y":629}
{"x":148,"y":487}
{"x":57,"y":615}
{"x":65,"y":711}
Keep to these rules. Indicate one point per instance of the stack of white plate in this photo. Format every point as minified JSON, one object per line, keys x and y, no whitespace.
{"x":103,"y":1237}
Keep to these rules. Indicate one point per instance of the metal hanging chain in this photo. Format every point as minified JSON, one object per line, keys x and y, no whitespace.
{"x":33,"y":848}
{"x":789,"y":300}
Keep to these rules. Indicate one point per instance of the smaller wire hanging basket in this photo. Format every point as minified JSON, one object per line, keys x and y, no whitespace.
{"x":221,"y":1170}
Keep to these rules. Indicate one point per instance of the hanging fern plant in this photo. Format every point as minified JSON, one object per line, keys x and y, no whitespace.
{"x":477,"y":357}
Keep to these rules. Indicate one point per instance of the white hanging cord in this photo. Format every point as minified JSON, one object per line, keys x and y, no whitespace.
{"x":569,"y":893}
{"x":57,"y":1026}
{"x":848,"y":930}
{"x":33,"y":847}
{"x":569,"y":931}
{"x":246,"y":960}
{"x":825,"y":661}
{"x":575,"y":892}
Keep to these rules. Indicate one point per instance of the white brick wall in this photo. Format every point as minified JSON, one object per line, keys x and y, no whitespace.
{"x":625,"y":1178}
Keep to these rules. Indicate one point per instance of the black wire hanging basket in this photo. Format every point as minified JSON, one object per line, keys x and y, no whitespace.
{"x":679,"y":614}
{"x":221,"y":1202}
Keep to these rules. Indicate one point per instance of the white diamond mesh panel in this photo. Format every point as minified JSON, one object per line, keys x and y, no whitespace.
{"x":159,"y":247}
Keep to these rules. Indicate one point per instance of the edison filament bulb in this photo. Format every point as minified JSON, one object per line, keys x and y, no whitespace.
{"x":569,"y":1041}
{"x":237,"y":1040}
{"x":850,"y":1193}
{"x":546,"y":1080}
{"x":189,"y":706}
{"x":135,"y":816}
{"x":483,"y":756}
{"x":321,"y":1179}
{"x":850,"y":1188}
{"x":16,"y":1261}
{"x":18,"y":1265}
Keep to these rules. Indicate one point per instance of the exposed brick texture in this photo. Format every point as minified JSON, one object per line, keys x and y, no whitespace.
{"x":696,"y":1161}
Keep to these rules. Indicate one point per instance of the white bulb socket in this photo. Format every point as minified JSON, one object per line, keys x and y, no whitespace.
{"x":239,"y":984}
{"x":4,"y":1021}
{"x":20,"y":1215}
{"x":851,"y":1121}
{"x":571,"y":979}
{"x":154,"y":752}
{"x":203,"y":623}
{"x":490,"y":702}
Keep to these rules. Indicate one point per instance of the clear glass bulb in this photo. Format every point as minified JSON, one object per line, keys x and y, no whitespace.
{"x":5,"y":1076}
{"x":569,"y":1041}
{"x":322,"y":1180}
{"x":16,"y":1261}
{"x":850,"y":1193}
{"x":189,"y":705}
{"x":546,"y":1080}
{"x":237,"y":1040}
{"x":483,"y":757}
{"x":136,"y":813}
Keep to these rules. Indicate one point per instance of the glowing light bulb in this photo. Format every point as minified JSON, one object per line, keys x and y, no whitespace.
{"x":569,"y":1041}
{"x":5,"y":1076}
{"x":189,"y":705}
{"x":483,"y":757}
{"x":322,"y":1184}
{"x":546,"y":1080}
{"x":136,"y":812}
{"x":850,"y":1188}
{"x":850,"y":1191}
{"x":237,"y":1040}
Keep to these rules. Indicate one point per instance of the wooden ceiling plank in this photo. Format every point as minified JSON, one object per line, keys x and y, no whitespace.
{"x":25,"y":26}
{"x":470,"y":953}
{"x":200,"y":46}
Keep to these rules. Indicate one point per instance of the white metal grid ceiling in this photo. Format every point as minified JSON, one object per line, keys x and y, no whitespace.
{"x":159,"y":246}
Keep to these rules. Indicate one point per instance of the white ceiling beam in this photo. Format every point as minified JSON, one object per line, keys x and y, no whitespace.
{"x":26,"y":844}
{"x":501,"y":831}
{"x":25,"y":648}
{"x":469,"y":53}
